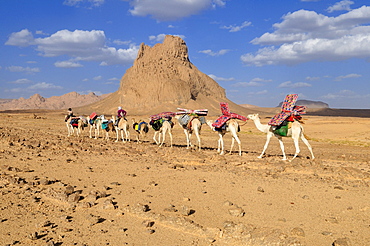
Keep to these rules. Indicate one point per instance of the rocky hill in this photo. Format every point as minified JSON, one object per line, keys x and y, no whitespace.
{"x":69,"y":100}
{"x":162,"y":78}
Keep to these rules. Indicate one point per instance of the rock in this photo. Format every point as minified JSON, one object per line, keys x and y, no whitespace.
{"x":260,"y":189}
{"x":342,"y":242}
{"x":69,"y":189}
{"x":148,"y":223}
{"x":236,"y":211}
{"x":297,"y":232}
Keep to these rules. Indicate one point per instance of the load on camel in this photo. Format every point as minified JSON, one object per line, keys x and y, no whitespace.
{"x":141,"y":129}
{"x":227,"y":123}
{"x":191,"y":121}
{"x":162,"y":124}
{"x":75,"y":122}
{"x":284,"y":124}
{"x":95,"y":123}
{"x":107,"y":125}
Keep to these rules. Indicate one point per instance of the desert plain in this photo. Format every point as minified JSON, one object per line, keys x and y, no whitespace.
{"x":59,"y":190}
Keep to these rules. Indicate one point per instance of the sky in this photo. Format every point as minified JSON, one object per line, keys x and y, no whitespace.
{"x":257,"y":50}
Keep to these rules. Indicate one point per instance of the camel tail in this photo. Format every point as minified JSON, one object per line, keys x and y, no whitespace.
{"x":307,"y":137}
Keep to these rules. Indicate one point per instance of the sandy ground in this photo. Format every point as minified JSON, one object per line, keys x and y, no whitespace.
{"x":57,"y":190}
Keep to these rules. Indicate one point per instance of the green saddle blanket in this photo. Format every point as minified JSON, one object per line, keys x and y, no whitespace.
{"x":281,"y":130}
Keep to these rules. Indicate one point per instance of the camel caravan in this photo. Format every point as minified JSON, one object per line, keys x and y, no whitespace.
{"x":287,"y":123}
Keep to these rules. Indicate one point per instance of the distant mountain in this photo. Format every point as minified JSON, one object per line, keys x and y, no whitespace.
{"x":309,"y":104}
{"x":69,"y":100}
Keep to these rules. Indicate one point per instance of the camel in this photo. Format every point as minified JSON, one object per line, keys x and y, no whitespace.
{"x":141,"y":128}
{"x":70,"y":128}
{"x":195,"y":126}
{"x":108,"y":126}
{"x":166,"y":127}
{"x":232,"y":126}
{"x":96,"y":126}
{"x":123,"y":127}
{"x":295,"y":132}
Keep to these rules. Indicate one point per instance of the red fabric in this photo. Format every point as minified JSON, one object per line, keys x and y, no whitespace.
{"x":93,"y":115}
{"x":162,"y":115}
{"x":288,"y":109}
{"x":226,"y":115}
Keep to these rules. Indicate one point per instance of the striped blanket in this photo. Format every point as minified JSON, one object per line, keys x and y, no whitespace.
{"x":226,"y":115}
{"x":288,"y":109}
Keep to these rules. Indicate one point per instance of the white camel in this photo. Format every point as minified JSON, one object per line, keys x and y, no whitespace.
{"x":195,"y":126}
{"x":96,"y":126}
{"x":166,"y":127}
{"x":232,"y":126}
{"x":123,"y":127}
{"x":295,"y":132}
{"x":80,"y":126}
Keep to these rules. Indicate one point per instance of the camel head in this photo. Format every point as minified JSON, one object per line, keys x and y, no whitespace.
{"x":253,"y":116}
{"x":113,"y":118}
{"x":209,"y":123}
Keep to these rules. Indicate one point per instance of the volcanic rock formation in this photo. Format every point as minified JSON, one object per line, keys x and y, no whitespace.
{"x":162,"y":78}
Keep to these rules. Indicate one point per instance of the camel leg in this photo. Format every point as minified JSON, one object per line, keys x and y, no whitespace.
{"x":198,"y":138}
{"x":123,"y":139}
{"x":155,"y":140}
{"x":163,"y":133}
{"x":220,"y":144}
{"x":282,"y":147}
{"x":128,"y":136}
{"x":297,"y":150}
{"x":268,"y":138}
{"x":117,"y":136}
{"x":90,"y":131}
{"x":170,"y":133}
{"x":308,"y":145}
{"x":239,"y":144}
{"x":188,"y":135}
{"x":232,"y":145}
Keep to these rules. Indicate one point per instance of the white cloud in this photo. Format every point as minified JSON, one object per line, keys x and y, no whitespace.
{"x":348,"y":76}
{"x":160,"y":37}
{"x":312,"y":78}
{"x":258,"y":92}
{"x":247,"y":84}
{"x":289,"y":84}
{"x":21,"y":81}
{"x":306,"y":36}
{"x":214,"y":53}
{"x":23,"y":69}
{"x":342,"y":5}
{"x":165,"y":10}
{"x":98,"y":77}
{"x":261,"y":80}
{"x":85,"y":3}
{"x":80,"y":45}
{"x":214,"y":77}
{"x":234,"y":28}
{"x":23,"y":38}
{"x":44,"y":86}
{"x":67,"y":64}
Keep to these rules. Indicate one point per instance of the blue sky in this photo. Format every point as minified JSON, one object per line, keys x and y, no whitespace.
{"x":258,"y":50}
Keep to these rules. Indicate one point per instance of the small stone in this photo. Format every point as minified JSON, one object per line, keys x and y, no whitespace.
{"x":150,"y":231}
{"x":297,"y":232}
{"x":186,"y":211}
{"x":326,"y":233}
{"x":338,"y":188}
{"x":148,"y":223}
{"x":237,"y":212}
{"x":342,"y":242}
{"x":69,"y":189}
{"x":33,"y":236}
{"x":260,"y":189}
